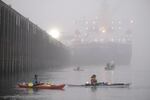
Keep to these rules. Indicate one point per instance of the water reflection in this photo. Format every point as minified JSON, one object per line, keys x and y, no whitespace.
{"x":93,"y":89}
{"x":28,"y":91}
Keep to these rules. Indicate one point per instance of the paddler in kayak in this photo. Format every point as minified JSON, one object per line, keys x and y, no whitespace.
{"x":35,"y":81}
{"x":93,"y":80}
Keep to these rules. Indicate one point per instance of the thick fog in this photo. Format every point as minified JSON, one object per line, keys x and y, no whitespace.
{"x":61,"y":13}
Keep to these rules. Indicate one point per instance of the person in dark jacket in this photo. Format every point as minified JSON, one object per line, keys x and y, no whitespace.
{"x":35,"y":79}
{"x":93,"y":80}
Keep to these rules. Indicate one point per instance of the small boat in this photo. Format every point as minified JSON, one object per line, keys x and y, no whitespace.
{"x":110,"y":66}
{"x":78,"y":69}
{"x":41,"y":86}
{"x":102,"y":84}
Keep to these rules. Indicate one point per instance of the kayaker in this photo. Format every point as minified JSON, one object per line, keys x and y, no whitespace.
{"x":93,"y":80}
{"x":35,"y":79}
{"x":78,"y":68}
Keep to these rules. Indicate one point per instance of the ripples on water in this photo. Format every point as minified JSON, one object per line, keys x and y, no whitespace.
{"x":139,"y":90}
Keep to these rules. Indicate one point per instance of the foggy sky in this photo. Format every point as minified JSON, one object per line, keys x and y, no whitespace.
{"x":61,"y":13}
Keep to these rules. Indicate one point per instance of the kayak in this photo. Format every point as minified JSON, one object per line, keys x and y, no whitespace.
{"x":42,"y":86}
{"x":102,"y":84}
{"x":78,"y":69}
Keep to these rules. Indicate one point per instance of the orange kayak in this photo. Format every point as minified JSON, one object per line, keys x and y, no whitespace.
{"x":42,"y":86}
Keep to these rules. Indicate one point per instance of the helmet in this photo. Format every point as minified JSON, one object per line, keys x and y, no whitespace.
{"x":93,"y":76}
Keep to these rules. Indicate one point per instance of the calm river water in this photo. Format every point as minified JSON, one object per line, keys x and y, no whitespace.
{"x":139,"y":89}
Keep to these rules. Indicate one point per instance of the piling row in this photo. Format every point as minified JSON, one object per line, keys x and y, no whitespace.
{"x":24,"y":46}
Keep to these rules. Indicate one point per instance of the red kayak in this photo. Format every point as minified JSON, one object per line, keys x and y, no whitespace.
{"x":42,"y":86}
